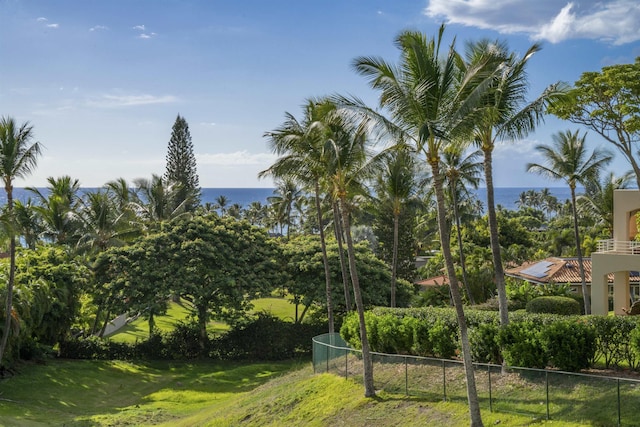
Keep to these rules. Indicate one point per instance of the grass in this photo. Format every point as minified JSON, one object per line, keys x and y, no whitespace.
{"x":139,"y":329}
{"x":98,"y":393}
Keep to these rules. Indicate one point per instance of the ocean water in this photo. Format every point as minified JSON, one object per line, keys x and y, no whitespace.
{"x":504,"y":196}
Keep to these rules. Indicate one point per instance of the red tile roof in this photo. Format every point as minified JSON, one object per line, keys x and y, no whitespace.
{"x":558,"y":270}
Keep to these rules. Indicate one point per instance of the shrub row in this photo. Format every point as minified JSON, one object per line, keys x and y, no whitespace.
{"x":262,"y":338}
{"x":569,"y":343}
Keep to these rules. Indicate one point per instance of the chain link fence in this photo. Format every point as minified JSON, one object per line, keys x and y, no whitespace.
{"x":539,"y":393}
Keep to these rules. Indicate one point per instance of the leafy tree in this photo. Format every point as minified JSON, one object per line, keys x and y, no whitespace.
{"x":18,"y":158}
{"x":181,"y":165}
{"x":568,"y":160}
{"x":608,"y":102}
{"x":217,"y":263}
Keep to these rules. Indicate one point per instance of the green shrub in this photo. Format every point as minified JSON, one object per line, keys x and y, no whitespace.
{"x":554,"y":305}
{"x":484,"y":344}
{"x":444,"y":339}
{"x":521,"y":346}
{"x":569,"y":344}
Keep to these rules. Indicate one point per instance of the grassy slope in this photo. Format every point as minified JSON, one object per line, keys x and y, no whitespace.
{"x":84,"y":393}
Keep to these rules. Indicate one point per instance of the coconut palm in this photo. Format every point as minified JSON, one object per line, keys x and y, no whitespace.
{"x":597,"y":199}
{"x":423,"y":96}
{"x":58,"y":208}
{"x":461,"y":171}
{"x":505,"y":114}
{"x":285,"y":194}
{"x":395,"y":187}
{"x":18,"y":158}
{"x":568,"y":160}
{"x":221,"y":204}
{"x":300,"y":145}
{"x":347,"y":169}
{"x":155,"y":200}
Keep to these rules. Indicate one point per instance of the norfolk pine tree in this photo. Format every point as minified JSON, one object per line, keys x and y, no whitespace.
{"x":181,"y":165}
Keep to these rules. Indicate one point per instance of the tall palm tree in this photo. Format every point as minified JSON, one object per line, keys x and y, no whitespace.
{"x":395,"y":188}
{"x":423,"y":95}
{"x":505,"y":114}
{"x":18,"y":158}
{"x":568,"y":160}
{"x":347,"y":169}
{"x":155,"y":200}
{"x":300,"y":145}
{"x":285,"y":195}
{"x":222,"y":202}
{"x":460,"y":172}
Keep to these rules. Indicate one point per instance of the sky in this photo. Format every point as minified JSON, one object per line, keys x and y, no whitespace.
{"x":102,"y":82}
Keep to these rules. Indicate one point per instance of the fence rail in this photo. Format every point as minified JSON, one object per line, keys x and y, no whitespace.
{"x":539,"y":393}
{"x":631,"y":247}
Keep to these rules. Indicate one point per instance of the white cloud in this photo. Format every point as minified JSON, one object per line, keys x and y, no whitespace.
{"x":615,"y":21}
{"x":52,"y":25}
{"x":207,"y":124}
{"x":42,"y":19}
{"x":45,"y":20}
{"x":147,"y":36}
{"x":99,"y":28}
{"x":114,"y":101}
{"x":236,"y":158}
{"x":139,"y":27}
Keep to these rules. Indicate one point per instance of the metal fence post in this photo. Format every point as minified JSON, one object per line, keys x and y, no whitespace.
{"x":444,"y":382}
{"x":490,"y":400}
{"x":619,"y":414}
{"x":546,"y":380}
{"x":346,"y":364}
{"x":327,"y":347}
{"x":406,"y":377}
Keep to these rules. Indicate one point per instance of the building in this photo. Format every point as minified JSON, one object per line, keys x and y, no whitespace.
{"x":618,"y":256}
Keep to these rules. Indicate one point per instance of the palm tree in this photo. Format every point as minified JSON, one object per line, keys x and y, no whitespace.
{"x":347,"y":167}
{"x":423,"y":94}
{"x":222,"y":202}
{"x":395,"y":188}
{"x":285,"y":195}
{"x":155,"y":200}
{"x":18,"y":158}
{"x":504,"y":115}
{"x":568,"y":160}
{"x":58,"y":209}
{"x":597,"y":199}
{"x":255,"y":213}
{"x":301,"y":147}
{"x":461,"y":172}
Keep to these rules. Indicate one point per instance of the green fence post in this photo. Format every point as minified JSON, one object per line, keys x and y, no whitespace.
{"x":327,"y":347}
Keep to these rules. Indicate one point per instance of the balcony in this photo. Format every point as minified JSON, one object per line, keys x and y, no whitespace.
{"x":624,"y":247}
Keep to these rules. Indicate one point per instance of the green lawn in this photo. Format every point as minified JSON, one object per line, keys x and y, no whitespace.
{"x":139,"y":329}
{"x":100,"y":393}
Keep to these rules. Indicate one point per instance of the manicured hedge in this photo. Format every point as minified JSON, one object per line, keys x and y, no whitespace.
{"x":533,"y":340}
{"x":554,"y":305}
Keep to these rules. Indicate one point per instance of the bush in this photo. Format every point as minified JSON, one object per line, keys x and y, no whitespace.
{"x":554,"y":305}
{"x":570,"y":344}
{"x":484,"y":343}
{"x":521,"y":346}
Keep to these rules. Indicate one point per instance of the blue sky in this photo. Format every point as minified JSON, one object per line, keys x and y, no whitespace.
{"x":103,"y":81}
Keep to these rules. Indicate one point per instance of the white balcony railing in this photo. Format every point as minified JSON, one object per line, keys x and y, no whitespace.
{"x":619,"y":246}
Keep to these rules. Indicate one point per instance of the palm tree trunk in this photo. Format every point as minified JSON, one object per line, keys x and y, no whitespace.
{"x":494,"y":237}
{"x":445,"y":243}
{"x":337,"y":228}
{"x":12,"y":271}
{"x":394,"y":260}
{"x":325,"y":260}
{"x":585,"y":295}
{"x":456,"y":215}
{"x":369,"y":389}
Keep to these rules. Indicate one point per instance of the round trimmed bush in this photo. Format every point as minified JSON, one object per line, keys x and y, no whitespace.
{"x":554,"y":305}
